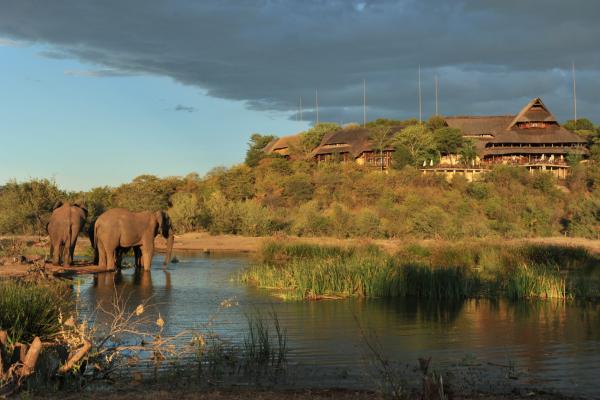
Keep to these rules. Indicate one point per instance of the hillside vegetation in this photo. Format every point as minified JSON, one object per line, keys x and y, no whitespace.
{"x":269,"y":194}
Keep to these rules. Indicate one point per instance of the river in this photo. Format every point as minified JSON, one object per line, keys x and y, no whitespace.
{"x":495,"y":344}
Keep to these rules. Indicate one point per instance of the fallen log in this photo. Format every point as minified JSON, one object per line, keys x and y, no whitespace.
{"x":31,"y":358}
{"x":75,"y":358}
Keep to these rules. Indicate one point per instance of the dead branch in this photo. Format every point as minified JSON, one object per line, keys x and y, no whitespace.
{"x":31,"y":358}
{"x":75,"y":358}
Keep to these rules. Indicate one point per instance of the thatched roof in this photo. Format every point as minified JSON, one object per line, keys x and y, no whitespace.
{"x":478,"y":125}
{"x":282,"y":145}
{"x":515,"y":129}
{"x":354,"y":141}
{"x":534,"y":111}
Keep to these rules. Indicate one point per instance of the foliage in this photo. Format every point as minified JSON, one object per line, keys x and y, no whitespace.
{"x":186,"y":212}
{"x":312,"y":137}
{"x":448,"y":140}
{"x":255,"y":148}
{"x":145,"y":193}
{"x":26,"y":207}
{"x":454,"y":271}
{"x":340,"y":199}
{"x":418,"y":141}
{"x":32,"y":308}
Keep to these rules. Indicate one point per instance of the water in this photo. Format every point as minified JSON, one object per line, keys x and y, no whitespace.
{"x":552,"y":345}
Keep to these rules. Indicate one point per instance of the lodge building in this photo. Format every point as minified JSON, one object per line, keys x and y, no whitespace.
{"x":354,"y":144}
{"x":532,"y":139}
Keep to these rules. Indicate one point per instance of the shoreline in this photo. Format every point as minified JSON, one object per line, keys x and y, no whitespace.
{"x":233,"y":244}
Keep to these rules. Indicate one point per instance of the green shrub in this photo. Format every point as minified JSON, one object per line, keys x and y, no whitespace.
{"x":29,"y":309}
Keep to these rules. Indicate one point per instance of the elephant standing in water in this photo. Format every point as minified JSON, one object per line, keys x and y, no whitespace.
{"x":118,"y":229}
{"x":66,"y":222}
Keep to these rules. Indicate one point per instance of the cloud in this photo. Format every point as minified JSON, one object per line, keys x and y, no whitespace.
{"x":491,"y":57}
{"x":4,"y":42}
{"x":180,"y":107}
{"x":99,"y":73}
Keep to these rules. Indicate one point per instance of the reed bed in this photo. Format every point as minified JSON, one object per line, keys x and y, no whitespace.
{"x":32,"y":308}
{"x":457,"y":271}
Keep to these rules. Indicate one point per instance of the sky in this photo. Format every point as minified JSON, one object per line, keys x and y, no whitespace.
{"x":94,"y":93}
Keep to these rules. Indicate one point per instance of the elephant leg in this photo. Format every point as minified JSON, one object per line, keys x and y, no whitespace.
{"x":119,"y":257}
{"x":72,"y":250}
{"x":55,"y":253}
{"x":58,"y":258}
{"x":101,"y":255}
{"x":65,"y":254}
{"x":138,"y":256}
{"x":147,"y":252}
{"x":111,"y":258}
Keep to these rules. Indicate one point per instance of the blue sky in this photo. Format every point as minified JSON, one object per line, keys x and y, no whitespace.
{"x":87,"y":131}
{"x":98,"y":92}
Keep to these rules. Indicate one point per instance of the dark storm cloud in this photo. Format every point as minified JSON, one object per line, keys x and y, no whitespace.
{"x":491,"y":57}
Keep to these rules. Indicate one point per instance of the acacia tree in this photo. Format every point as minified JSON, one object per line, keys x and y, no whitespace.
{"x":418,"y":142}
{"x":381,"y":136}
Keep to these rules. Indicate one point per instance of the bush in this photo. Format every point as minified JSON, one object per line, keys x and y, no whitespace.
{"x":186,"y":212}
{"x":25,"y":208}
{"x":255,"y":220}
{"x":310,"y":221}
{"x":298,"y":188}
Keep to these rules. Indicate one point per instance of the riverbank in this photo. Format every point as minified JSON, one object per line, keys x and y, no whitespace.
{"x":239,"y":394}
{"x":37,"y":246}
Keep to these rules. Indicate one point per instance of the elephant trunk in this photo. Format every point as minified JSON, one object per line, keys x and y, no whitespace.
{"x":170,"y":241}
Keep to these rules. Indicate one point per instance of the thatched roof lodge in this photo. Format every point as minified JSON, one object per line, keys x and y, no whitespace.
{"x":283,"y":146}
{"x":353,"y":143}
{"x":532,"y":138}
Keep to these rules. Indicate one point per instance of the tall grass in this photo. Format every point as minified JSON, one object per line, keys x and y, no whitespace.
{"x":439,"y":272}
{"x":32,"y":308}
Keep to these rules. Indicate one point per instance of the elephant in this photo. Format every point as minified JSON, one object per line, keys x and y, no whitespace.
{"x":66,"y":222}
{"x":118,"y":229}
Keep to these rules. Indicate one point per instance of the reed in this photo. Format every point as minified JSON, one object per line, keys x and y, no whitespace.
{"x":454,"y":271}
{"x":32,"y":308}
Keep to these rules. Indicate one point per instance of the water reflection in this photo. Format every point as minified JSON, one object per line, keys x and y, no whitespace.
{"x":553,"y":342}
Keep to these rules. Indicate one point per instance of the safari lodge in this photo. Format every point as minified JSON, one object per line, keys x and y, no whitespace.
{"x":532,"y":139}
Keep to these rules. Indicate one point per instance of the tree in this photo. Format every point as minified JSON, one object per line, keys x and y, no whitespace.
{"x":468,"y":152}
{"x":381,"y":136}
{"x":579,"y":125}
{"x":436,"y":122}
{"x":256,"y":147}
{"x":448,"y":140}
{"x":310,"y":139}
{"x":418,"y":141}
{"x":401,"y":157}
{"x":26,"y":207}
{"x":145,"y":193}
{"x":584,"y":128}
{"x":237,"y":183}
{"x":186,"y":212}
